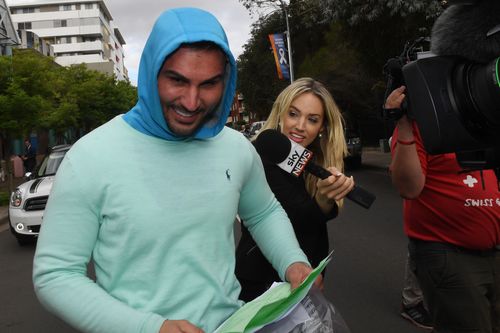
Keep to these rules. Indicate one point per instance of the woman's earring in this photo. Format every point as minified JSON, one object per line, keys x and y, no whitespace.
{"x":320,"y":135}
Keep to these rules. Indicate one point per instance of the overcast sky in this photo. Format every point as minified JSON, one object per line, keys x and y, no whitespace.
{"x":135,"y":19}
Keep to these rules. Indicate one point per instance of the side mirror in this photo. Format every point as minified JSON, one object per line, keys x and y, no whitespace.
{"x":28,"y":175}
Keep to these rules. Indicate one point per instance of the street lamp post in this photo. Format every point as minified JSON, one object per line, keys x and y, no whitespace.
{"x":288,"y":39}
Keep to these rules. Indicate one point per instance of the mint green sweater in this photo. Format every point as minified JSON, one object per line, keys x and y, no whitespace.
{"x":156,"y":217}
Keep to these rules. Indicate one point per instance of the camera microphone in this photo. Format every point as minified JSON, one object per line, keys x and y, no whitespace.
{"x":276,"y":148}
{"x":454,"y":96}
{"x":470,"y":31}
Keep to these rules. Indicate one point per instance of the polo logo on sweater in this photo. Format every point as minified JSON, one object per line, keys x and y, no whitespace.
{"x":228,"y":174}
{"x":470,"y":181}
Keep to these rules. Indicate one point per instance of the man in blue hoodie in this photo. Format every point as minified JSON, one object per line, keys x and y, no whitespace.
{"x":151,"y":197}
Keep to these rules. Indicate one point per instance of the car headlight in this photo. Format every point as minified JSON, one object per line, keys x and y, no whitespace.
{"x":16,"y":198}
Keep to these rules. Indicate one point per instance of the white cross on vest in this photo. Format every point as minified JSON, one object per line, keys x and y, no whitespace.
{"x":470,"y":181}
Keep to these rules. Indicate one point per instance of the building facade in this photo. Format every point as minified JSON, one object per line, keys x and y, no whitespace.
{"x":237,"y":115}
{"x":79,"y":31}
{"x":29,"y":40}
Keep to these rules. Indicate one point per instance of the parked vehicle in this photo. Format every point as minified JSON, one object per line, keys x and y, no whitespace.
{"x":27,"y":202}
{"x":255,"y":128}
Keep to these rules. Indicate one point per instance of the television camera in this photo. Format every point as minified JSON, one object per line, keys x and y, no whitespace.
{"x":453,"y":90}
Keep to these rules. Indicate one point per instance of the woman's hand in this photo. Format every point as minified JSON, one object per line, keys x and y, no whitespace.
{"x":179,"y":326}
{"x":332,"y":189}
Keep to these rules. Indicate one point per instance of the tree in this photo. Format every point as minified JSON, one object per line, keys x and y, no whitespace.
{"x":344,"y":44}
{"x":24,"y":92}
{"x":258,"y":81}
{"x":37,"y":94}
{"x":87,"y":99}
{"x":359,"y":11}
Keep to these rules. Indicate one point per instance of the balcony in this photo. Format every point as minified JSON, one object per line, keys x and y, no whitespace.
{"x":78,"y":47}
{"x":78,"y":59}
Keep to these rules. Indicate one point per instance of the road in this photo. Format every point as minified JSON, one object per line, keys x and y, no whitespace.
{"x":365,"y":277}
{"x":363,"y":280}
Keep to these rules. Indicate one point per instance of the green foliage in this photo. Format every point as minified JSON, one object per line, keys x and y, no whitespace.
{"x":359,"y":11}
{"x":342,"y":43}
{"x":258,"y":81}
{"x":38,"y":94}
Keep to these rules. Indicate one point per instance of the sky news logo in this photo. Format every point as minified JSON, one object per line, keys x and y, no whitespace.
{"x":296,"y":161}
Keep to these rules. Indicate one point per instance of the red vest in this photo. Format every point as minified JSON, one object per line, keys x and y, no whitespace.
{"x":455,"y":206}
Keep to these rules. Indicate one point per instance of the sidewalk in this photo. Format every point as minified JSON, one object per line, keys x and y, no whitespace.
{"x":374,"y":157}
{"x":3,"y":215}
{"x":4,"y":209}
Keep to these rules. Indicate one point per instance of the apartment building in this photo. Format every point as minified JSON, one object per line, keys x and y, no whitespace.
{"x":78,"y":31}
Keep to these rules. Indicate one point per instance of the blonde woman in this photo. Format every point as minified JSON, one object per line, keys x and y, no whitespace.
{"x":307,"y":114}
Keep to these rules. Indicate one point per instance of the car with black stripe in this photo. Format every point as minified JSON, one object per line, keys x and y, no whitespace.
{"x":28,"y":200}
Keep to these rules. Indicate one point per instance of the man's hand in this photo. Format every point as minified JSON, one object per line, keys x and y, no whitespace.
{"x":297,"y":272}
{"x":179,"y":326}
{"x":395,"y":99}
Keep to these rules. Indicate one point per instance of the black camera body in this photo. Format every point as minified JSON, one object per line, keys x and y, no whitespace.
{"x":456,"y":103}
{"x":453,"y":93}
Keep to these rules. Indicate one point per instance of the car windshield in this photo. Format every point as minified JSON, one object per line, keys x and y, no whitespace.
{"x":51,"y":163}
{"x":256,"y":126}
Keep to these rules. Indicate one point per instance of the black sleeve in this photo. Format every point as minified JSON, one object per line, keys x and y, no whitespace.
{"x":293,"y":196}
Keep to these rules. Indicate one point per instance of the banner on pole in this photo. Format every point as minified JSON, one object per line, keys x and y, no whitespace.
{"x":280,"y":55}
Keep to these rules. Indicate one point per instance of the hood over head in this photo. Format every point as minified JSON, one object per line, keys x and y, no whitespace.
{"x":173,"y":28}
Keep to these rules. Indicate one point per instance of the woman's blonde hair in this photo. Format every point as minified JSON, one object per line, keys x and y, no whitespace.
{"x":329,"y":149}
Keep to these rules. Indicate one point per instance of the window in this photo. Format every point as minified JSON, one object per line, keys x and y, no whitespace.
{"x":89,"y":21}
{"x":66,"y":7}
{"x":89,"y":6}
{"x":28,"y":10}
{"x":30,"y":40}
{"x":24,"y":25}
{"x":60,"y":23}
{"x":77,"y":6}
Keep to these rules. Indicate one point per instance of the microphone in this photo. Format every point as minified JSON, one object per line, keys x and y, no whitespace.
{"x":469,"y":29}
{"x":276,"y":148}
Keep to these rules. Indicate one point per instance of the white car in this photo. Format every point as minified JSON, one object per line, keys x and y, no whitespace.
{"x":27,"y":202}
{"x":256,"y":127}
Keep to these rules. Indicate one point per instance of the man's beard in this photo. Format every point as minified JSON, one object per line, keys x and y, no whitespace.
{"x":209,"y":114}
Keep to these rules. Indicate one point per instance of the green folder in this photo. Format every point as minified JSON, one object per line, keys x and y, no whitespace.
{"x":271,"y":305}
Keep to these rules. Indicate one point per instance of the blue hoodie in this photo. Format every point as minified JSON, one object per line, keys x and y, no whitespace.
{"x":155,"y":212}
{"x":173,"y":28}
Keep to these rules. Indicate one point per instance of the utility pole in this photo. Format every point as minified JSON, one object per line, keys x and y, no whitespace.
{"x":288,"y":39}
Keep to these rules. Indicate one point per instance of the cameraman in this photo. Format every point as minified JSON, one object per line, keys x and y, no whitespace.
{"x":451,"y":217}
